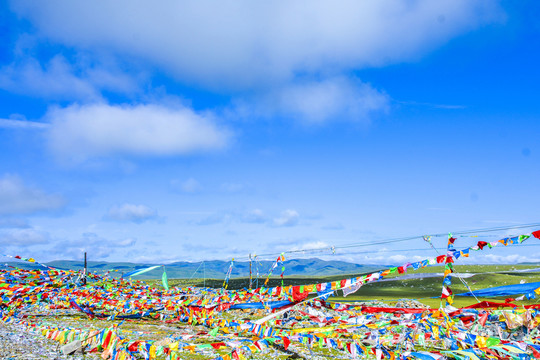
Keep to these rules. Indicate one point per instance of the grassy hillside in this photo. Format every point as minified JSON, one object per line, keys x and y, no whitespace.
{"x":427,"y":289}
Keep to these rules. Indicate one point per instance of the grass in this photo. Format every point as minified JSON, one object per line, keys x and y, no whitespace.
{"x":427,"y":290}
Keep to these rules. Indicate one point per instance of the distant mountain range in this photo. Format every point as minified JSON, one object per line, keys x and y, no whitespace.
{"x":214,"y":269}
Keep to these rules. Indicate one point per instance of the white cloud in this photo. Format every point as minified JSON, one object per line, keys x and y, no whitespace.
{"x":313,"y":245}
{"x":82,"y":132}
{"x":502,"y":259}
{"x":153,"y":257}
{"x":59,"y":79}
{"x":17,"y":198}
{"x":188,"y":186}
{"x":126,"y":242}
{"x":23,"y":237}
{"x":288,"y":218}
{"x":241,"y":44}
{"x":96,"y":246}
{"x":56,"y":80}
{"x":131,"y":213}
{"x":21,"y":124}
{"x":317,"y":102}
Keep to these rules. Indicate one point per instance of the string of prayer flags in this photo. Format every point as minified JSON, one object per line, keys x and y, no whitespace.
{"x":447,"y":294}
{"x":280,"y":259}
{"x":493,"y":330}
{"x":228,"y":275}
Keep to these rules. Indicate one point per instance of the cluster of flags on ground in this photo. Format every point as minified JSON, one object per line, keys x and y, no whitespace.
{"x":296,"y":321}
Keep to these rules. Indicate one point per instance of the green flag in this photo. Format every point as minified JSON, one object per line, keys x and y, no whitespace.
{"x":492,"y":341}
{"x":165,"y":280}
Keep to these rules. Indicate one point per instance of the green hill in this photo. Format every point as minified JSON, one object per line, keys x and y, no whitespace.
{"x":213,"y":269}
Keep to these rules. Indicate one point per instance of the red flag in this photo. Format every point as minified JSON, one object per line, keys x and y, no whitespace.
{"x":481,"y":244}
{"x":105,"y":344}
{"x":446,"y":292}
{"x":536,"y":234}
{"x":286,"y":342}
{"x":297,"y":296}
{"x":482,"y":320}
{"x":134,"y":346}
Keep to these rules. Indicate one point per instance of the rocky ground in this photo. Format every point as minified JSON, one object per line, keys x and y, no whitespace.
{"x":16,"y":343}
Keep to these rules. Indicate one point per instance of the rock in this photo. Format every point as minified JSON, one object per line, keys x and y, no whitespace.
{"x":72,"y":347}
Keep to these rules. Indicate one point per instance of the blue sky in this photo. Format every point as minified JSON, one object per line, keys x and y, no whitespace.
{"x":206,"y":130}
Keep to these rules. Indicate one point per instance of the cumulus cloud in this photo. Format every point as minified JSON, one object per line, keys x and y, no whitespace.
{"x":317,"y":102}
{"x":54,"y":81}
{"x":96,"y":246}
{"x":311,"y":246}
{"x":243,"y":43}
{"x":18,"y":198}
{"x":23,"y":237}
{"x":59,"y":79}
{"x":131,"y":213}
{"x":81,"y":132}
{"x":288,"y":218}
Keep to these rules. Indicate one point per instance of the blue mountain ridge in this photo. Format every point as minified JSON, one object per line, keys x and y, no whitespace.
{"x":213,"y":269}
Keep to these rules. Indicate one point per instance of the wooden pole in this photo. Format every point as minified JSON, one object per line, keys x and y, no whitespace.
{"x":250,"y":276}
{"x":85,"y":269}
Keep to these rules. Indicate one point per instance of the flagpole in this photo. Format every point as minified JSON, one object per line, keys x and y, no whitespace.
{"x":249,"y":271}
